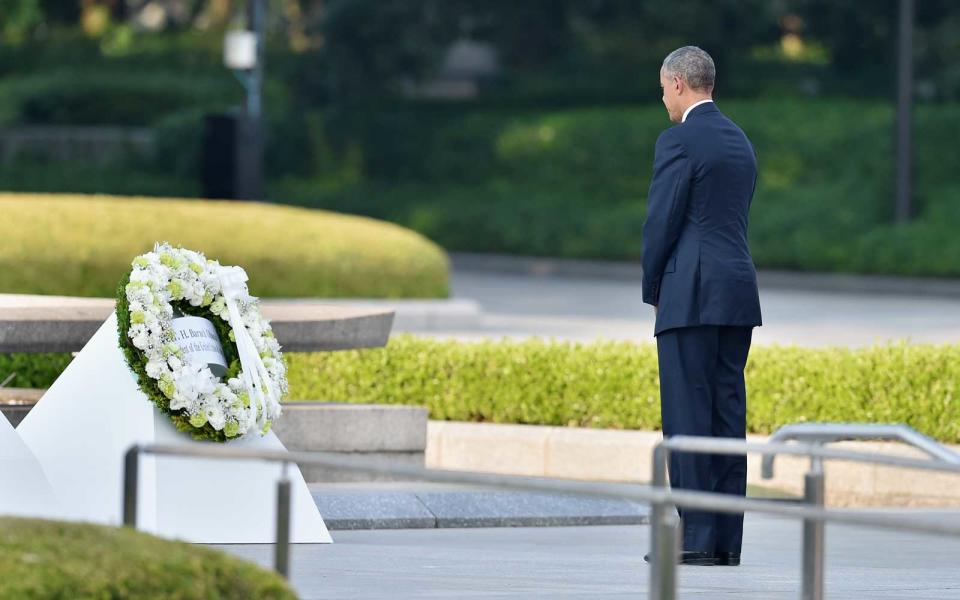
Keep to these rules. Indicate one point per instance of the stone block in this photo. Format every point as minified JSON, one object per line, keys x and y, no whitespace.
{"x":600,"y":454}
{"x":387,"y":434}
{"x":510,"y":449}
{"x":914,"y":487}
{"x":345,"y":427}
{"x":15,"y":403}
{"x":608,"y":455}
{"x":315,"y":474}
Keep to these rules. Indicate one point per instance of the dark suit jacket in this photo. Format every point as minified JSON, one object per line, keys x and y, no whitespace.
{"x":697,"y":267}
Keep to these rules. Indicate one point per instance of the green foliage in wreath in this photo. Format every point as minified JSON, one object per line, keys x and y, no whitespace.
{"x":149,"y":386}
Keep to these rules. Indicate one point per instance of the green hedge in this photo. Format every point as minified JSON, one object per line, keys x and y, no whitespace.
{"x":615,"y":385}
{"x":70,"y":78}
{"x":32,"y":176}
{"x":572,"y":183}
{"x":111,"y":97}
{"x":83,"y":245}
{"x":33,"y":370}
{"x":50,"y":559}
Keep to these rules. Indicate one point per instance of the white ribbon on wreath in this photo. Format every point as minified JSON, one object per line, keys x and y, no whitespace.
{"x":256,"y":380}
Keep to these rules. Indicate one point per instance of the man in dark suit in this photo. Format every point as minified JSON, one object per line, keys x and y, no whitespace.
{"x":699,"y":276}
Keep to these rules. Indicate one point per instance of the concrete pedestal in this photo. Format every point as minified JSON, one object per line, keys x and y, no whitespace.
{"x":387,"y":433}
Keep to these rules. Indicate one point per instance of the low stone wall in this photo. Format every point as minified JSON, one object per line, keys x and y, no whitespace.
{"x":15,"y":403}
{"x":614,"y":455}
{"x":390,"y":434}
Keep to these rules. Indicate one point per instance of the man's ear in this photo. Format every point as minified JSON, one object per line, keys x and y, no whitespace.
{"x":678,"y":84}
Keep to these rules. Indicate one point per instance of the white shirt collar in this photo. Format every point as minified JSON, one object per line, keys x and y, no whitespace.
{"x":693,"y":106}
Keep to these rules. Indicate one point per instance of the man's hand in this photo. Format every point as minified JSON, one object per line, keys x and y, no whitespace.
{"x":666,"y":209}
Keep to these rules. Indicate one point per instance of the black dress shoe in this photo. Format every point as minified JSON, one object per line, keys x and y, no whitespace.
{"x":701,"y":559}
{"x":728,"y":559}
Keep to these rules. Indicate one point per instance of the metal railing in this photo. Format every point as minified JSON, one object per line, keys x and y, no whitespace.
{"x":814,"y":481}
{"x":825,"y":433}
{"x":812,"y":436}
{"x":665,"y":531}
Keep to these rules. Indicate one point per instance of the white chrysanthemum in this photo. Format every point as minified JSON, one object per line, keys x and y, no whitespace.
{"x":155,"y":369}
{"x":193,"y":380}
{"x":215,"y":416}
{"x":179,"y":401}
{"x":141,"y":341}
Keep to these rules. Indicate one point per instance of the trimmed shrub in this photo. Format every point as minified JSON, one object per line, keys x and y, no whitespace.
{"x":615,"y":384}
{"x":44,"y":176}
{"x":52,"y":559}
{"x":83,"y":245}
{"x":33,"y":370}
{"x":113,"y":97}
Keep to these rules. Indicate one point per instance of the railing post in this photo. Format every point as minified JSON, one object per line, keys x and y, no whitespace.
{"x":282,"y":549}
{"x":813,"y":534}
{"x":668,"y":541}
{"x":664,"y":535}
{"x":659,"y":467}
{"x":131,"y":474}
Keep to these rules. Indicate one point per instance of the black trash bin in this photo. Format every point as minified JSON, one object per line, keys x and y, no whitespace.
{"x":231,"y":164}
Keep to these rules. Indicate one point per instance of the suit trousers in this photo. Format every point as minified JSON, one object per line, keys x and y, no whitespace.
{"x":702,"y":393}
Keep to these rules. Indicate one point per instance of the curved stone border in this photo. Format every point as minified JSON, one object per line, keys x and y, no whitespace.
{"x":65,"y":324}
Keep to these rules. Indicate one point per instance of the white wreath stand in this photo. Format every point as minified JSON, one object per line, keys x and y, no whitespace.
{"x":92,"y":414}
{"x":25,"y":491}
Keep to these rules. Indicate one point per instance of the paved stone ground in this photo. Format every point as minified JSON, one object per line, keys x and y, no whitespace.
{"x":606,"y":562}
{"x":585,"y":309}
{"x":400,"y":505}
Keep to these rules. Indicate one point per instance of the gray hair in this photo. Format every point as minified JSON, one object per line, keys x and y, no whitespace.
{"x":693,"y":65}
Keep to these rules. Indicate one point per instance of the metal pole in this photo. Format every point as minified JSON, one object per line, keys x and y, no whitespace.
{"x":255,"y":16}
{"x":250,"y":135}
{"x":904,"y":183}
{"x":813,"y":534}
{"x":660,"y":513}
{"x":656,"y":527}
{"x":668,"y":550}
{"x":282,"y":549}
{"x":131,"y":469}
{"x":659,"y":467}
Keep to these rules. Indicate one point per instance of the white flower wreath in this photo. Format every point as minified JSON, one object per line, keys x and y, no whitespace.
{"x":221,"y":329}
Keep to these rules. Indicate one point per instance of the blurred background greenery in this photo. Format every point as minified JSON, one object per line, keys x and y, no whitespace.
{"x":510,"y":127}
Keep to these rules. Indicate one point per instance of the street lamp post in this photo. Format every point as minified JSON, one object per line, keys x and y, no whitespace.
{"x":244,"y":55}
{"x":904,"y":157}
{"x":255,"y":18}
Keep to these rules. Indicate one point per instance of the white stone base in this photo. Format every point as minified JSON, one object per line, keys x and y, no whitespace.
{"x":24,"y":489}
{"x":81,"y":428}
